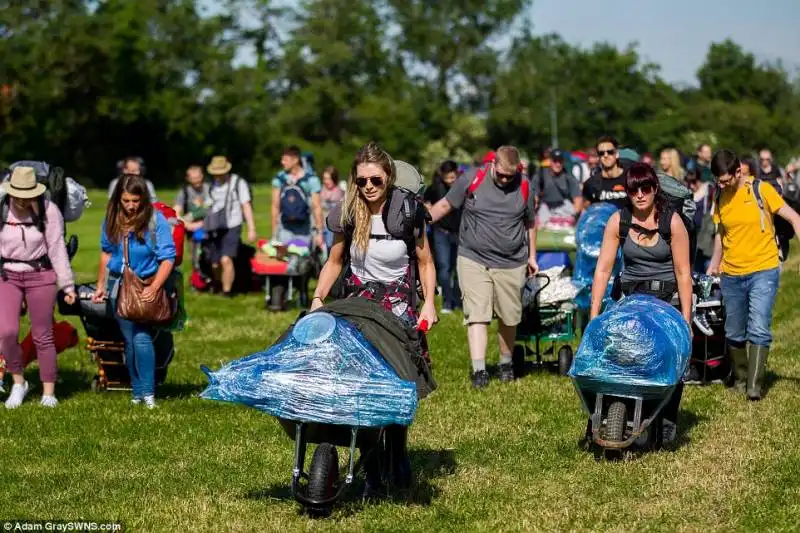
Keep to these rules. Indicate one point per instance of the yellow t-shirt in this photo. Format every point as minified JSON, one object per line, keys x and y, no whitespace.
{"x":745,"y":248}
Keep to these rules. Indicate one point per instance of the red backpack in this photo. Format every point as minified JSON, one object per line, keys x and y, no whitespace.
{"x":524,"y":186}
{"x":178,"y":229}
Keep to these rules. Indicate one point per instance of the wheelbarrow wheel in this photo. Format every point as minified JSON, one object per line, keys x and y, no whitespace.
{"x":322,"y":477}
{"x":564,"y":360}
{"x":615,"y":427}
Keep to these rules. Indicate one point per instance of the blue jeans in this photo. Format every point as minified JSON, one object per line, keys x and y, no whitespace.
{"x":748,"y":306}
{"x":140,"y":354}
{"x":445,"y":251}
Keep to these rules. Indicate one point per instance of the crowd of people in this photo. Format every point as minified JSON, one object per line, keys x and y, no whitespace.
{"x":482,"y":224}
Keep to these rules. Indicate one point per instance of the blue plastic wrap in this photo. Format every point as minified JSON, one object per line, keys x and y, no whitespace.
{"x":639,"y":346}
{"x":324,"y":371}
{"x":589,"y":239}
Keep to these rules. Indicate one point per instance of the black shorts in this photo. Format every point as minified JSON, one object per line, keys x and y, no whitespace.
{"x":224,"y":243}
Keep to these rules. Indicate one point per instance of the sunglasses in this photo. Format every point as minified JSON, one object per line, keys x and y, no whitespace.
{"x":602,"y":153}
{"x":645,"y":189}
{"x":376,"y":181}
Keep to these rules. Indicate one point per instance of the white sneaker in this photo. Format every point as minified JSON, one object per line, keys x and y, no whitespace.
{"x":2,"y":389}
{"x":18,"y":393}
{"x":446,"y":311}
{"x":136,"y":401}
{"x":149,"y":402}
{"x":48,"y":401}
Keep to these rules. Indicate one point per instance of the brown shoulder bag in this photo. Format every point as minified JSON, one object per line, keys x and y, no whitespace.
{"x":130,"y":305}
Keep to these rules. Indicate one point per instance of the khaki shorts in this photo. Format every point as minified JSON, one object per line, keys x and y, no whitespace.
{"x":491,"y":291}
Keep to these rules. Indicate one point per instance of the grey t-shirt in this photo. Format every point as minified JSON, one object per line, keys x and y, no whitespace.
{"x":647,"y":263}
{"x":494,"y":221}
{"x":194,"y":202}
{"x":555,"y":189}
{"x":238,"y":196}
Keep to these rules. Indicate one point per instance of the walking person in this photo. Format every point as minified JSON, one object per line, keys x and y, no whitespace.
{"x":33,"y":267}
{"x":747,"y":257}
{"x":330,"y":196}
{"x":445,"y":237}
{"x":231,"y":206}
{"x":128,"y":222}
{"x":496,"y":247}
{"x":655,"y":249}
{"x":376,"y":266}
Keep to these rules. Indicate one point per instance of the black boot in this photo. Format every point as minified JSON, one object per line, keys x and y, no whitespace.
{"x":739,"y":366}
{"x":397,"y":446}
{"x":756,"y":370}
{"x":374,"y":489}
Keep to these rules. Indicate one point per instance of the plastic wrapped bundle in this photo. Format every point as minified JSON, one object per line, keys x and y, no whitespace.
{"x":324,"y":371}
{"x":640,"y":346}
{"x":589,"y":239}
{"x":559,"y":288}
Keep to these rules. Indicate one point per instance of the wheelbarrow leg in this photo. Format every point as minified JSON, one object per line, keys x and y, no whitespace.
{"x":299,"y":455}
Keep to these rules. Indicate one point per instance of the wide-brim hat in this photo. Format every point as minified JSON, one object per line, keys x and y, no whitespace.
{"x":23,"y":184}
{"x":219,"y":166}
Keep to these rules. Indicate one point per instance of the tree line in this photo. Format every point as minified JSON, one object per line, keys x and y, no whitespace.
{"x":85,"y":83}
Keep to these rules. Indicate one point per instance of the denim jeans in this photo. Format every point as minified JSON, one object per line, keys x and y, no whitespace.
{"x":445,"y":251}
{"x":748,"y":306}
{"x":140,"y":354}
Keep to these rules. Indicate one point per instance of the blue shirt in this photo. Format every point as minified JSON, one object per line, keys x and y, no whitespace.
{"x":143,"y":256}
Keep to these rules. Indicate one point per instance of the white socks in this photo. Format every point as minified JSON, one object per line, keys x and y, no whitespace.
{"x":17,"y":395}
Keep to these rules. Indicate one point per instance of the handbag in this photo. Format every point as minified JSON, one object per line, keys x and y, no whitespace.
{"x":130,"y":305}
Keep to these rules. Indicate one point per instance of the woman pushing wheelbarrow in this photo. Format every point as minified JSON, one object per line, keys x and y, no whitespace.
{"x":350,"y":373}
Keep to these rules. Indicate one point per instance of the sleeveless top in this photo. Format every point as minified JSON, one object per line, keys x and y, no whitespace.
{"x":647,"y":263}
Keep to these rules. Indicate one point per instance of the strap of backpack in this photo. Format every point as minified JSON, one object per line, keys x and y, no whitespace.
{"x":665,"y":225}
{"x":756,"y":187}
{"x":625,"y":221}
{"x":478,"y":179}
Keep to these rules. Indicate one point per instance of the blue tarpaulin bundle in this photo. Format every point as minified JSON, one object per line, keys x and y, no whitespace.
{"x":323,"y":371}
{"x":589,"y":238}
{"x":639,"y":346}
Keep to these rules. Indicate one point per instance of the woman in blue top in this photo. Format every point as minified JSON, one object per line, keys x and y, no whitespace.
{"x":151,"y":254}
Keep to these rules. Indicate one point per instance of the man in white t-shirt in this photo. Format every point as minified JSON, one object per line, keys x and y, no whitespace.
{"x":231,"y":205}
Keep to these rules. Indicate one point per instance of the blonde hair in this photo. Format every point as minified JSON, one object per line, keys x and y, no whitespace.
{"x":355,"y":211}
{"x":675,"y":169}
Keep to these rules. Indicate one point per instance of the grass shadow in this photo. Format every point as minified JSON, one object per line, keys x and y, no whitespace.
{"x":427,"y":465}
{"x":69,"y":383}
{"x":173,"y":391}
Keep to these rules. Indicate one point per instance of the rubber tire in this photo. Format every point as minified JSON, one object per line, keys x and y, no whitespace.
{"x":564,"y":360}
{"x":518,"y":360}
{"x":616,"y":421}
{"x":322,"y":478}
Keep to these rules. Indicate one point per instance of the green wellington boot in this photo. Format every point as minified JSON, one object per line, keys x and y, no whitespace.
{"x":739,"y":360}
{"x":756,"y":371}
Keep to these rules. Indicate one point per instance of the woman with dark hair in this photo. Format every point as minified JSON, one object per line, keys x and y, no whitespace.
{"x":445,"y":237}
{"x":132,"y":221}
{"x":331,"y":195}
{"x":655,"y":248}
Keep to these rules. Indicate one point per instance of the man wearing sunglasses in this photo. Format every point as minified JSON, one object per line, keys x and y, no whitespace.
{"x":496,"y":248}
{"x":608,"y":185}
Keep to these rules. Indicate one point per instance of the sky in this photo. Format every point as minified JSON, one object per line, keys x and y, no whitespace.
{"x":675,"y":34}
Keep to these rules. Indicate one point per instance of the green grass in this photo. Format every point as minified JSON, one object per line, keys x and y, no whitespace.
{"x":502,"y":459}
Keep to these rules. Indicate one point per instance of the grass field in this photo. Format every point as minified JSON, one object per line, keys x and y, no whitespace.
{"x":504,"y":459}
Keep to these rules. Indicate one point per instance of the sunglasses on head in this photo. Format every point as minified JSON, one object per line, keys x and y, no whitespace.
{"x":376,"y":181}
{"x":601,"y":153}
{"x":646,"y":189}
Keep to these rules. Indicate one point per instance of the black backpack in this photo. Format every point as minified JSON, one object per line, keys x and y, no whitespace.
{"x":404,"y":217}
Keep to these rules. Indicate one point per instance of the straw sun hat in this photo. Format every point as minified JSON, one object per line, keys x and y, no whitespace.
{"x":23,"y":184}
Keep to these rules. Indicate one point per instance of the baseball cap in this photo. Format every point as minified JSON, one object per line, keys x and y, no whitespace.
{"x":557,"y":155}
